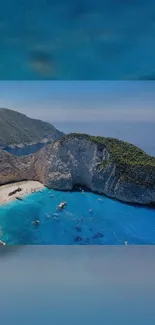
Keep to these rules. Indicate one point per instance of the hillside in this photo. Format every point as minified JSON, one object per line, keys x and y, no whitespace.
{"x":17,"y":129}
{"x":104,"y":165}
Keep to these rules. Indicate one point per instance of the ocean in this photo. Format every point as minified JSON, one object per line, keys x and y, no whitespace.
{"x":25,"y":150}
{"x":88,"y":219}
{"x":132,"y":132}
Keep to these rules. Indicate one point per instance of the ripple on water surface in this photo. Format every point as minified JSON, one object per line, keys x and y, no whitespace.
{"x":88,"y":219}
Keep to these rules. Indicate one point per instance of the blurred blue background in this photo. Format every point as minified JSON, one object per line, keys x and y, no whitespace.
{"x":77,"y":285}
{"x":80,"y":39}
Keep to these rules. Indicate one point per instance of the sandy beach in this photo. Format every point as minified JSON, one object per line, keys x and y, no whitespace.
{"x":26,"y":187}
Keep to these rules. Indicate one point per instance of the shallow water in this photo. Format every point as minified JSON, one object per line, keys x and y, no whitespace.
{"x":79,"y":39}
{"x":109,"y":223}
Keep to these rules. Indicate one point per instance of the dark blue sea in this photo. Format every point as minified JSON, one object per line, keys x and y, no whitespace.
{"x":108,"y":223}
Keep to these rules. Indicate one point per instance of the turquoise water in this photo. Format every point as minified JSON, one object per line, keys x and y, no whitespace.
{"x":109,"y":223}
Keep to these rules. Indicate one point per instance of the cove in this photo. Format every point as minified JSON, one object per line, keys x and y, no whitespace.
{"x":109,"y":222}
{"x":25,"y":150}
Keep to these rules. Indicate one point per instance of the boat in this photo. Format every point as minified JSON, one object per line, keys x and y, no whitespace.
{"x":83,"y":192}
{"x":62,"y":205}
{"x":15,"y":191}
{"x":36,"y":222}
{"x":2,"y":243}
{"x":100,"y":200}
{"x":19,"y":198}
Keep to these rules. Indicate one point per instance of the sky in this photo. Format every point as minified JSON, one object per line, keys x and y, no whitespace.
{"x":121,"y":109}
{"x":81,"y":101}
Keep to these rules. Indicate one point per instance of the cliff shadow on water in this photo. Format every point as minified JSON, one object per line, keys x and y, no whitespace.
{"x":84,"y":189}
{"x":26,"y":150}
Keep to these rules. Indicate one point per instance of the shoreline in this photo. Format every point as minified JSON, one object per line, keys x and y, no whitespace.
{"x":29,"y":187}
{"x":26,"y":187}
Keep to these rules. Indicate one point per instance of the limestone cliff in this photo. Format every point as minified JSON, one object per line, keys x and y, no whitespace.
{"x":104,"y":165}
{"x":14,"y":169}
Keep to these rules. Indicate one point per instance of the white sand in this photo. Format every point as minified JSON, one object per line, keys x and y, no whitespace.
{"x":26,"y":186}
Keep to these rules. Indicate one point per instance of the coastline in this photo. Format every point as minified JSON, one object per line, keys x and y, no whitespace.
{"x":27,"y":187}
{"x":25,"y":145}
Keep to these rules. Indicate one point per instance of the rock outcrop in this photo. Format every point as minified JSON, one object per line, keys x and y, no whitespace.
{"x":104,"y":165}
{"x":14,"y":169}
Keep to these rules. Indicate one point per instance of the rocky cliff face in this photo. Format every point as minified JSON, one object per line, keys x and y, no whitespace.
{"x":14,"y":169}
{"x":79,"y":160}
{"x":18,"y":130}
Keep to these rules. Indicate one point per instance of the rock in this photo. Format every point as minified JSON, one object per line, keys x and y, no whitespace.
{"x":78,"y":229}
{"x":77,"y":238}
{"x":98,"y":235}
{"x":103,"y":165}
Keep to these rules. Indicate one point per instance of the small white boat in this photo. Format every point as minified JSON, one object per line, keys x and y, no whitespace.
{"x":36,"y":222}
{"x":2,"y":243}
{"x":83,"y":192}
{"x":62,"y":205}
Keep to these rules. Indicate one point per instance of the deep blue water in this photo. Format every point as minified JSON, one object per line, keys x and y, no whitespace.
{"x":26,"y":150}
{"x":109,"y":223}
{"x":77,"y":39}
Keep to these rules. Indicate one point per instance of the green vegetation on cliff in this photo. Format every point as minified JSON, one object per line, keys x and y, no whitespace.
{"x":120,"y":151}
{"x":18,"y":129}
{"x":132,"y":164}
